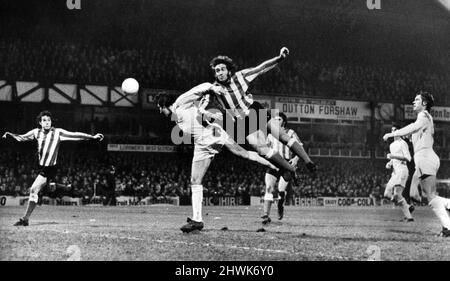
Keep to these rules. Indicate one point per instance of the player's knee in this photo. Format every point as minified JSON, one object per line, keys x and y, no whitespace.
{"x":265,"y":151}
{"x":268,"y":196}
{"x":34,"y":194}
{"x":431,"y":196}
{"x":433,"y":201}
{"x":398,"y":190}
{"x":196,"y":180}
{"x":269,"y":188}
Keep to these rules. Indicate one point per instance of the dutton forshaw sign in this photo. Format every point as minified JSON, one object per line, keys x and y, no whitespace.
{"x":296,"y":108}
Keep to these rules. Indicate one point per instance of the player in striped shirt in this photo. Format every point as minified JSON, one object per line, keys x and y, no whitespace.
{"x":207,"y":142}
{"x":48,"y":140}
{"x":273,"y":176}
{"x":426,"y":160}
{"x":231,"y":91}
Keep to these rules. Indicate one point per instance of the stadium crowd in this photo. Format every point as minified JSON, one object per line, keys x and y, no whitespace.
{"x":84,"y":174}
{"x":51,"y":61}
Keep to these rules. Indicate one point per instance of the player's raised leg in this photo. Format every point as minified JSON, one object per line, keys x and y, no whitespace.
{"x":274,"y":128}
{"x":239,"y":151}
{"x":258,"y":141}
{"x":38,"y":184}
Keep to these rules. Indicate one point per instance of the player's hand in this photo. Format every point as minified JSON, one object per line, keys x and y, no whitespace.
{"x":99,"y":137}
{"x":293,"y":162}
{"x":284,"y":52}
{"x":5,"y":135}
{"x":388,"y":165}
{"x":216,"y":89}
{"x":386,"y":137}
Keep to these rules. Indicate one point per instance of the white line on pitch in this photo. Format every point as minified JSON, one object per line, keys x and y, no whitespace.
{"x":225,"y":246}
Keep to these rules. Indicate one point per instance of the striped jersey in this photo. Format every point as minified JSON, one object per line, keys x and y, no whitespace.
{"x":234,"y":95}
{"x":281,"y":148}
{"x":48,"y":142}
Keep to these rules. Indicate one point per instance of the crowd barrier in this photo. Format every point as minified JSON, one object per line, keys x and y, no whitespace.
{"x":207,"y":201}
{"x":96,"y":200}
{"x":323,"y":201}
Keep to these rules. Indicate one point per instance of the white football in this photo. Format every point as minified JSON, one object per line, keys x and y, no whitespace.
{"x":130,"y":86}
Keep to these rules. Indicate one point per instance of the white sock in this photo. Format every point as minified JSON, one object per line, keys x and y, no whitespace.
{"x":405,"y":208}
{"x":197,"y":201}
{"x":438,"y":207}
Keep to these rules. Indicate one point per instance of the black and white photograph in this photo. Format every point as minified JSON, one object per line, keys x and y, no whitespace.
{"x":225,"y":136}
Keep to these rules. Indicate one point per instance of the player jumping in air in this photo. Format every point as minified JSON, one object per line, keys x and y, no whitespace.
{"x":398,"y":156}
{"x":231,"y":92}
{"x":48,"y":140}
{"x":426,"y":160}
{"x":273,"y":176}
{"x":206,"y":144}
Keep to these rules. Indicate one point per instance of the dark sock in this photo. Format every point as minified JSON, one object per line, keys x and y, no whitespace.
{"x":282,"y":195}
{"x":297,"y":149}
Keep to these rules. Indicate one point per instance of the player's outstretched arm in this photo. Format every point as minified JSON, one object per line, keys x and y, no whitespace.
{"x":411,"y":128}
{"x":25,"y":137}
{"x":78,"y":136}
{"x":398,"y":157}
{"x":252,"y":73}
{"x":192,"y":95}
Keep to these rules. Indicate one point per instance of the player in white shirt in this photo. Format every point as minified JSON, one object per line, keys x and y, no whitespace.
{"x":272,"y":176}
{"x":398,"y":156}
{"x":426,"y":160}
{"x":208,"y":141}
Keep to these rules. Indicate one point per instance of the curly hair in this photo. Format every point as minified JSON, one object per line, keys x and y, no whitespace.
{"x":231,"y":66}
{"x":284,"y":117}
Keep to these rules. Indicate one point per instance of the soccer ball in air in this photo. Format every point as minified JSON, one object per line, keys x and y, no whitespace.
{"x":130,"y":86}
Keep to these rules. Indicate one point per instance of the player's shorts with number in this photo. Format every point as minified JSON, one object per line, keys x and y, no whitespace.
{"x":207,"y":142}
{"x":427,"y":162}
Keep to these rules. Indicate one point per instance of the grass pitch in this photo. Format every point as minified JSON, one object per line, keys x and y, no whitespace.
{"x":152,"y":233}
